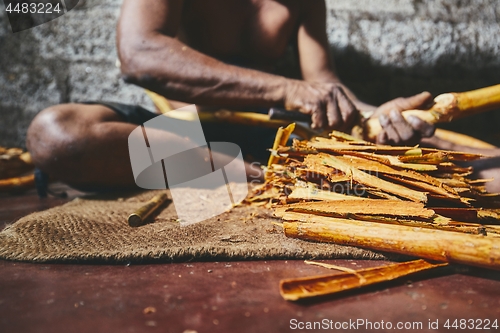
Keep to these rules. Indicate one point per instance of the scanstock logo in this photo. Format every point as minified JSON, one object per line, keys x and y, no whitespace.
{"x":26,"y":14}
{"x":205,"y":179}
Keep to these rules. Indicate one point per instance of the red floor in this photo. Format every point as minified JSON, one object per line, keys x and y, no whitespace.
{"x":226,"y":296}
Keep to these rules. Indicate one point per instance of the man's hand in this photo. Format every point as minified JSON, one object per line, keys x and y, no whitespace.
{"x":327,"y":103}
{"x":396,"y":129}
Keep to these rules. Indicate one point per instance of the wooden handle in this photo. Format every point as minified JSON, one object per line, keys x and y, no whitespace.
{"x":283,"y":114}
{"x":447,"y":107}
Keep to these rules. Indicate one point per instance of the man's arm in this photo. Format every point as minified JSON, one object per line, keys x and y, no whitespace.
{"x":153,"y":58}
{"x":317,"y":66}
{"x":316,"y":62}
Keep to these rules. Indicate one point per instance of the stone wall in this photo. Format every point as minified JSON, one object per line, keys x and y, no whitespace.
{"x":390,"y":48}
{"x":383,"y":49}
{"x":70,"y":59}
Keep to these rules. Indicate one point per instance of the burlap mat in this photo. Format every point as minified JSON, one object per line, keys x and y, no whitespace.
{"x":96,"y":230}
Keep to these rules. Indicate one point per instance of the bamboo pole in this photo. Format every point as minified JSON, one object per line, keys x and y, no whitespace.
{"x":462,"y":139}
{"x":467,"y":103}
{"x":474,"y":250}
{"x":234,"y":117}
{"x":447,"y":107}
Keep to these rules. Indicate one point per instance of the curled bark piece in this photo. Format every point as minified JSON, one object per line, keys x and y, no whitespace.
{"x":295,"y":289}
{"x":372,"y":181}
{"x":280,"y":140}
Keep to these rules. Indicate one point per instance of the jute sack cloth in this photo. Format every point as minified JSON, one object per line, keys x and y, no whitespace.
{"x":95,"y":230}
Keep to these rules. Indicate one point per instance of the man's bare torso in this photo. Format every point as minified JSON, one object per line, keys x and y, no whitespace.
{"x":153,"y":39}
{"x":255,"y":32}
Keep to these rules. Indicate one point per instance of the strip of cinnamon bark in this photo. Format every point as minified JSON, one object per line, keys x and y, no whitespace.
{"x":364,"y":206}
{"x":372,"y":181}
{"x":438,"y":222}
{"x":280,"y":140}
{"x":340,"y":147}
{"x":310,"y":193}
{"x":300,"y":288}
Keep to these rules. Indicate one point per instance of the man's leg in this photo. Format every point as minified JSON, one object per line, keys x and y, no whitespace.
{"x":86,"y":146}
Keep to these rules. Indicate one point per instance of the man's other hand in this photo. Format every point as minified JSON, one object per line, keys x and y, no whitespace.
{"x":400,"y":131}
{"x":327,"y":103}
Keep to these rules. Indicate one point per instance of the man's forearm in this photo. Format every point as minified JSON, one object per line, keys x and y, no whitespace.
{"x":172,"y":69}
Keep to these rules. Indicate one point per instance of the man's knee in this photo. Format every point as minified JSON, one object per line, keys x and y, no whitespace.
{"x":53,"y":136}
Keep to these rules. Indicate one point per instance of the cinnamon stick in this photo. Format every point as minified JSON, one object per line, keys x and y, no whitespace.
{"x":300,"y":288}
{"x":474,"y":250}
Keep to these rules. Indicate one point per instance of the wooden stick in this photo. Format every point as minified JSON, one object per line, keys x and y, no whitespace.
{"x":462,"y":139}
{"x":446,"y":108}
{"x":295,"y":289}
{"x":139,"y":217}
{"x":306,"y":132}
{"x":474,"y":250}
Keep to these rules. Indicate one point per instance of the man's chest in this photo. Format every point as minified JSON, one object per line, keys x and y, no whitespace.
{"x":258,"y":30}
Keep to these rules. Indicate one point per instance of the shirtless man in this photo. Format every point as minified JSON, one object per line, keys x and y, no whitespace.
{"x":181,"y":50}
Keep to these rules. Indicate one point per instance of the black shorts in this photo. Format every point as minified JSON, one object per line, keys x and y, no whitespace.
{"x":254,"y":141}
{"x":133,"y":114}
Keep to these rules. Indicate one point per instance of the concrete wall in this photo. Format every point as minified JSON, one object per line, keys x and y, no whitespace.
{"x":69,"y":59}
{"x":383,"y":49}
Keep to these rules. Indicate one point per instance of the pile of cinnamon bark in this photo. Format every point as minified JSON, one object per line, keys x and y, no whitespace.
{"x":413,"y":201}
{"x":409,"y":200}
{"x":16,"y":169}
